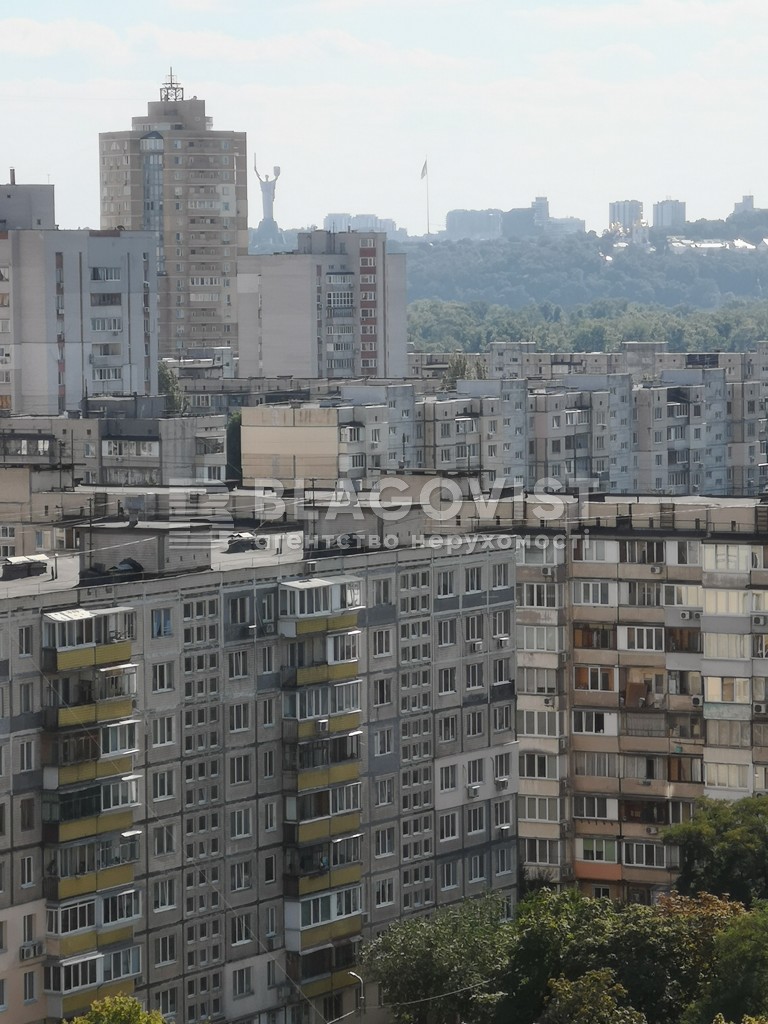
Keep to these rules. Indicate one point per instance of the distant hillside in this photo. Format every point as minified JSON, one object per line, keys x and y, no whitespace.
{"x":573,"y":271}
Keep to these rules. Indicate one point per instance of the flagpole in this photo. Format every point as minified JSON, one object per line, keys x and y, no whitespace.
{"x":425,"y":174}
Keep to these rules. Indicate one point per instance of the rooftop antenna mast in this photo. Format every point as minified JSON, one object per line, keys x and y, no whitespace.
{"x":170,"y":90}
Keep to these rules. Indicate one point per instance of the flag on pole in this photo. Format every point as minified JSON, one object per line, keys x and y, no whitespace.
{"x":424,"y":170}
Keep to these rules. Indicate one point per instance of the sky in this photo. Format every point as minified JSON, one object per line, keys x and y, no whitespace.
{"x":583,"y":101}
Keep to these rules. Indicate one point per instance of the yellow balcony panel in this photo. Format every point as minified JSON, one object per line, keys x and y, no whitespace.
{"x":93,"y":881}
{"x":343,"y":929}
{"x":312,"y":674}
{"x":314,"y":778}
{"x":342,"y":823}
{"x":114,"y":653}
{"x":77,"y":657}
{"x":346,"y":620}
{"x":317,"y":624}
{"x":70,"y":945}
{"x":115,"y":709}
{"x":125,"y":987}
{"x":95,"y":825}
{"x":331,"y":879}
{"x":309,"y":831}
{"x":342,"y":672}
{"x":345,"y":723}
{"x":89,"y":770}
{"x":335,"y":981}
{"x":112,"y":935}
{"x":81,"y":714}
{"x":78,"y":1002}
{"x":307,"y":730}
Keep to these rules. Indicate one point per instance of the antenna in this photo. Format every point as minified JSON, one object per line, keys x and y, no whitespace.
{"x":170,"y":90}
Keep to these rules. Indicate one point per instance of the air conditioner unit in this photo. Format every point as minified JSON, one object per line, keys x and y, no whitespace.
{"x":657,"y":569}
{"x":685,"y":615}
{"x":760,"y":709}
{"x":502,"y":782}
{"x":696,"y":702}
{"x":759,"y":620}
{"x":28,"y":951}
{"x":472,"y":791}
{"x":476,"y":646}
{"x":311,"y":566}
{"x":503,"y":641}
{"x":652,"y":831}
{"x":563,"y":658}
{"x":695,"y":615}
{"x":546,"y":571}
{"x":269,"y":628}
{"x":269,"y":942}
{"x":322,"y":725}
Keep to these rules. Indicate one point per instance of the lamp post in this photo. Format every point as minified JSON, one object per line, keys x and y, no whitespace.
{"x":361,"y":1007}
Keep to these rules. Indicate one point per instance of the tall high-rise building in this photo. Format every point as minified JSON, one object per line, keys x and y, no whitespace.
{"x":669,"y":213}
{"x":174,"y":175}
{"x":625,"y":213}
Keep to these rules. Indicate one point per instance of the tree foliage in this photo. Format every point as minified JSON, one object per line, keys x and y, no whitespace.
{"x":579,"y":269}
{"x":168,"y":385}
{"x":724,"y":849}
{"x":119,"y":1009}
{"x":737,"y":980}
{"x":594,"y":998}
{"x":603,"y":325}
{"x":442,"y":968}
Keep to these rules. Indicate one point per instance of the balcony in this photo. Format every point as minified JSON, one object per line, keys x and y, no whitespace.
{"x":80,"y":638}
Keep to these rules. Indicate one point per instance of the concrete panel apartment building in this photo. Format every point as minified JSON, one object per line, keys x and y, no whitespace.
{"x":221,"y":775}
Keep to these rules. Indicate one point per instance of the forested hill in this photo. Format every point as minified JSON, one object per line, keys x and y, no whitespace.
{"x":436,"y":326}
{"x":573,"y":271}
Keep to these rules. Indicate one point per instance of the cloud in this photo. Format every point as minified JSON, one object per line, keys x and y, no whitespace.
{"x":22,"y":37}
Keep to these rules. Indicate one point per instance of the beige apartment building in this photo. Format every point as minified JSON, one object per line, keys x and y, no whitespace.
{"x":335,"y":307}
{"x":173,"y":175}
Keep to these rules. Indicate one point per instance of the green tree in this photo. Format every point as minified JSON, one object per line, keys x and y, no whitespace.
{"x":737,"y":979}
{"x":724,"y":849}
{"x":168,"y":385}
{"x":443,"y":968}
{"x":120,"y":1009}
{"x":594,"y":998}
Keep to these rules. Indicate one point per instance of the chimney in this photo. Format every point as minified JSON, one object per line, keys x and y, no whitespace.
{"x":13,"y":175}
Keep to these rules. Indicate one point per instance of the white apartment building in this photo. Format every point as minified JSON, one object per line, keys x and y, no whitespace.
{"x":77,"y":310}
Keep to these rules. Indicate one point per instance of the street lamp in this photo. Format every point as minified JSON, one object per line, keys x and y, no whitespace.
{"x":361,"y":1007}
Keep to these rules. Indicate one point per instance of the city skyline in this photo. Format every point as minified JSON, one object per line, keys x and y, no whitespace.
{"x":586,"y":103}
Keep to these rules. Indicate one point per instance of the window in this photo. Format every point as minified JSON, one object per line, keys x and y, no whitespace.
{"x":268,"y":764}
{"x":384,"y":892}
{"x":242,"y":984}
{"x":382,"y":591}
{"x":447,"y":777}
{"x":162,"y":785}
{"x":162,"y":677}
{"x":446,"y":632}
{"x":382,"y":643}
{"x":25,"y":641}
{"x":270,"y":816}
{"x":385,"y":792}
{"x":446,"y":680}
{"x":27,"y":813}
{"x":597,"y":850}
{"x":474,"y":723}
{"x":239,"y":717}
{"x":382,"y":742}
{"x":384,"y":842}
{"x":165,"y":950}
{"x":162,"y":731}
{"x":473,"y":579}
{"x":240,"y":823}
{"x":538,"y":766}
{"x":448,"y":826}
{"x":29,"y":983}
{"x":500,"y":576}
{"x":593,"y":677}
{"x":342,"y":647}
{"x":240,"y":876}
{"x":447,"y":729}
{"x":122,"y":907}
{"x":476,"y":771}
{"x":445,"y":583}
{"x":477,"y":867}
{"x":476,"y":819}
{"x":240,"y":929}
{"x":162,"y":624}
{"x":237,"y":664}
{"x":26,"y":755}
{"x":163,"y":840}
{"x":27,"y":871}
{"x":239,"y":769}
{"x":164,"y":895}
{"x":382,"y":692}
